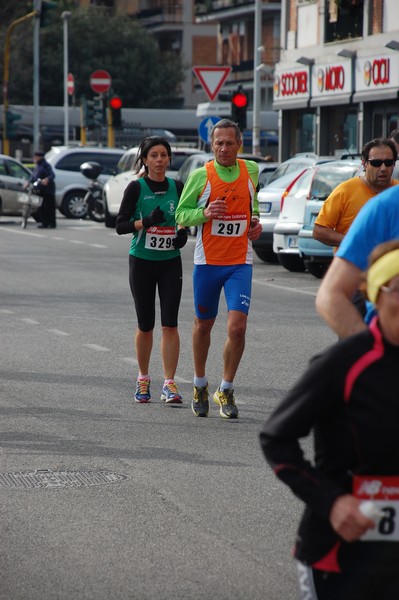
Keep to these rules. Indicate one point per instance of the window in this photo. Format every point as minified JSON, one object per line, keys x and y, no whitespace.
{"x":15,"y":170}
{"x":344,"y":19}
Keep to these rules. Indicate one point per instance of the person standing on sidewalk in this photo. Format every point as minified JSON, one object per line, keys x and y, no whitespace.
{"x":148,"y":212}
{"x":220,"y":198}
{"x":44,"y":173}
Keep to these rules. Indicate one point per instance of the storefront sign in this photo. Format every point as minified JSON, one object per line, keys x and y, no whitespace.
{"x":379,"y":73}
{"x":291,"y":85}
{"x":331,"y":79}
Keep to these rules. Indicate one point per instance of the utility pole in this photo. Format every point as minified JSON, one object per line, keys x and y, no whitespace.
{"x":65,"y":17}
{"x":36,"y":75}
{"x":256,"y":102}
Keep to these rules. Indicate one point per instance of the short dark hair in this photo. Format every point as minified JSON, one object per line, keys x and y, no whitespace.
{"x":144,"y":148}
{"x":226,"y":124}
{"x":378,"y":143}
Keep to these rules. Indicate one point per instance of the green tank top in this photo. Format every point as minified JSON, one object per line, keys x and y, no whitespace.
{"x":155,"y":243}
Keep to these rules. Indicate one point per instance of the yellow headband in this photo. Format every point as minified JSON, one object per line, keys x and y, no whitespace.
{"x":380,"y":272}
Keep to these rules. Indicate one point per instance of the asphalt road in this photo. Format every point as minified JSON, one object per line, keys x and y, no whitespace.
{"x":101,"y":498}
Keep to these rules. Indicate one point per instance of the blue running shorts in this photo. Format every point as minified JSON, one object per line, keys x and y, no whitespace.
{"x":208,"y":281}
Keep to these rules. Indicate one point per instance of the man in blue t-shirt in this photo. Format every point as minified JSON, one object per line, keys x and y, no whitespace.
{"x":377,"y":222}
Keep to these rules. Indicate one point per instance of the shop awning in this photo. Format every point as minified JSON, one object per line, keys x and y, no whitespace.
{"x":299,"y":103}
{"x":331,"y":100}
{"x":375,"y":96}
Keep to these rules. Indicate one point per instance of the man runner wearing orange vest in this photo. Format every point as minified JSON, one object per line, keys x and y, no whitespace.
{"x":220,"y":199}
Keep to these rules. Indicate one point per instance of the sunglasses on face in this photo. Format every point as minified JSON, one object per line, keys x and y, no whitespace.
{"x":377,"y":162}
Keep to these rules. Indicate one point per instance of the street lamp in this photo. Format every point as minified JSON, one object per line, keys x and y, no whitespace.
{"x":346,"y":53}
{"x":65,"y":17}
{"x":304,"y":60}
{"x":393,"y":45}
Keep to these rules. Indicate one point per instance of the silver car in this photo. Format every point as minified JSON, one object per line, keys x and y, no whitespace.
{"x":13,"y":176}
{"x":271,"y":195}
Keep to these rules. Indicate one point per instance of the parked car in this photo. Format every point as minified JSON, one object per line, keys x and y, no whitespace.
{"x":70,"y":184}
{"x":13,"y":176}
{"x":270,"y":199}
{"x":116,"y":185}
{"x":314,"y":185}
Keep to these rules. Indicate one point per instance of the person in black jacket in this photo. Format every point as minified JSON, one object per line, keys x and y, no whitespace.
{"x":347,"y":544}
{"x":44,"y":172}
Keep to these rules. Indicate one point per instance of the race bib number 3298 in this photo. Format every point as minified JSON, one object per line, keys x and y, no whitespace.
{"x":159,"y":238}
{"x":384,"y":492}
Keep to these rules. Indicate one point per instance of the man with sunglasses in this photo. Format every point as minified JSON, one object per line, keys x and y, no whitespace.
{"x":343,"y":204}
{"x":377,"y":222}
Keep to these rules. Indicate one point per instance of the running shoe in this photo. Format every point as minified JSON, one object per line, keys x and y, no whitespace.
{"x":200,"y":403}
{"x":169,"y":393}
{"x":142,"y":394}
{"x":226,"y":402}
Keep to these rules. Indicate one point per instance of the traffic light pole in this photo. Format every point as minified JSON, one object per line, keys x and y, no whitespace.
{"x":111,"y":133}
{"x":6,"y":77}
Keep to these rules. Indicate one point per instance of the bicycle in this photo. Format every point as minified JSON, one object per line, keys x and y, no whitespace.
{"x":31,"y":201}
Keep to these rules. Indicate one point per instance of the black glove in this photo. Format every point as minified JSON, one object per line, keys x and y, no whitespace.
{"x":156,"y":216}
{"x":181,"y":238}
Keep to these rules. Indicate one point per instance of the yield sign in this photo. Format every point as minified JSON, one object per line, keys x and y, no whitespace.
{"x":212,"y":79}
{"x":100,"y":81}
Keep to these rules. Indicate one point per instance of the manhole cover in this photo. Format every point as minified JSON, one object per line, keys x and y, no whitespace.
{"x":45,"y":478}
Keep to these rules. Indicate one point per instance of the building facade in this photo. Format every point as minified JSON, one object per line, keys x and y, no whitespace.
{"x":336,"y":85}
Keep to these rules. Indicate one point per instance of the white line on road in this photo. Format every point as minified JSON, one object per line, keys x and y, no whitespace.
{"x":58,"y":332}
{"x":7,"y":312}
{"x":98,"y":246}
{"x":285,"y":288}
{"x":76,"y":242}
{"x":30,"y":321}
{"x":96,"y":347}
{"x":24,"y":232}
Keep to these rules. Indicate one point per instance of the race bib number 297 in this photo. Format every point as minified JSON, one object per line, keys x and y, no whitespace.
{"x":384,"y":493}
{"x":230,"y":225}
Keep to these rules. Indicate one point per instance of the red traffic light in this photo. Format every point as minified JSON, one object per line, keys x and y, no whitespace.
{"x":239,"y":99}
{"x":115,"y":102}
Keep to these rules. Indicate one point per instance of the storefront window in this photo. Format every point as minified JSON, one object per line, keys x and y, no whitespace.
{"x":344,"y":19}
{"x":301,"y":132}
{"x":342,"y":130}
{"x":384,"y":121}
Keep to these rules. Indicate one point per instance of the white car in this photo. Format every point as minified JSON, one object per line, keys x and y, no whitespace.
{"x":116,"y":185}
{"x":70,"y":185}
{"x":13,"y":177}
{"x":315,"y":184}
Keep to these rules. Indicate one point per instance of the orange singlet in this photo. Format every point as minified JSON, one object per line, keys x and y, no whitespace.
{"x":225,"y":241}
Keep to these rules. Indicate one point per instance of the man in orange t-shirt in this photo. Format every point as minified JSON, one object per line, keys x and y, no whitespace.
{"x":343,"y":204}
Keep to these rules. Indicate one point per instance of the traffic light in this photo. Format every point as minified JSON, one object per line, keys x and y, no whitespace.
{"x":115,"y":105}
{"x":11,"y":128}
{"x":93,"y":112}
{"x":45,"y":9}
{"x":239,"y":104}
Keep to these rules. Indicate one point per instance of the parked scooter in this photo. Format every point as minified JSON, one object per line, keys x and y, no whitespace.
{"x":94,"y":197}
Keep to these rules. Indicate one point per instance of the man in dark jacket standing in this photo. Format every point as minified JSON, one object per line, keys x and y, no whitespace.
{"x":45,"y":174}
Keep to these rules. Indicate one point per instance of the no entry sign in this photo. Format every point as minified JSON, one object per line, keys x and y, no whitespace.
{"x":100,"y":81}
{"x":70,"y":84}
